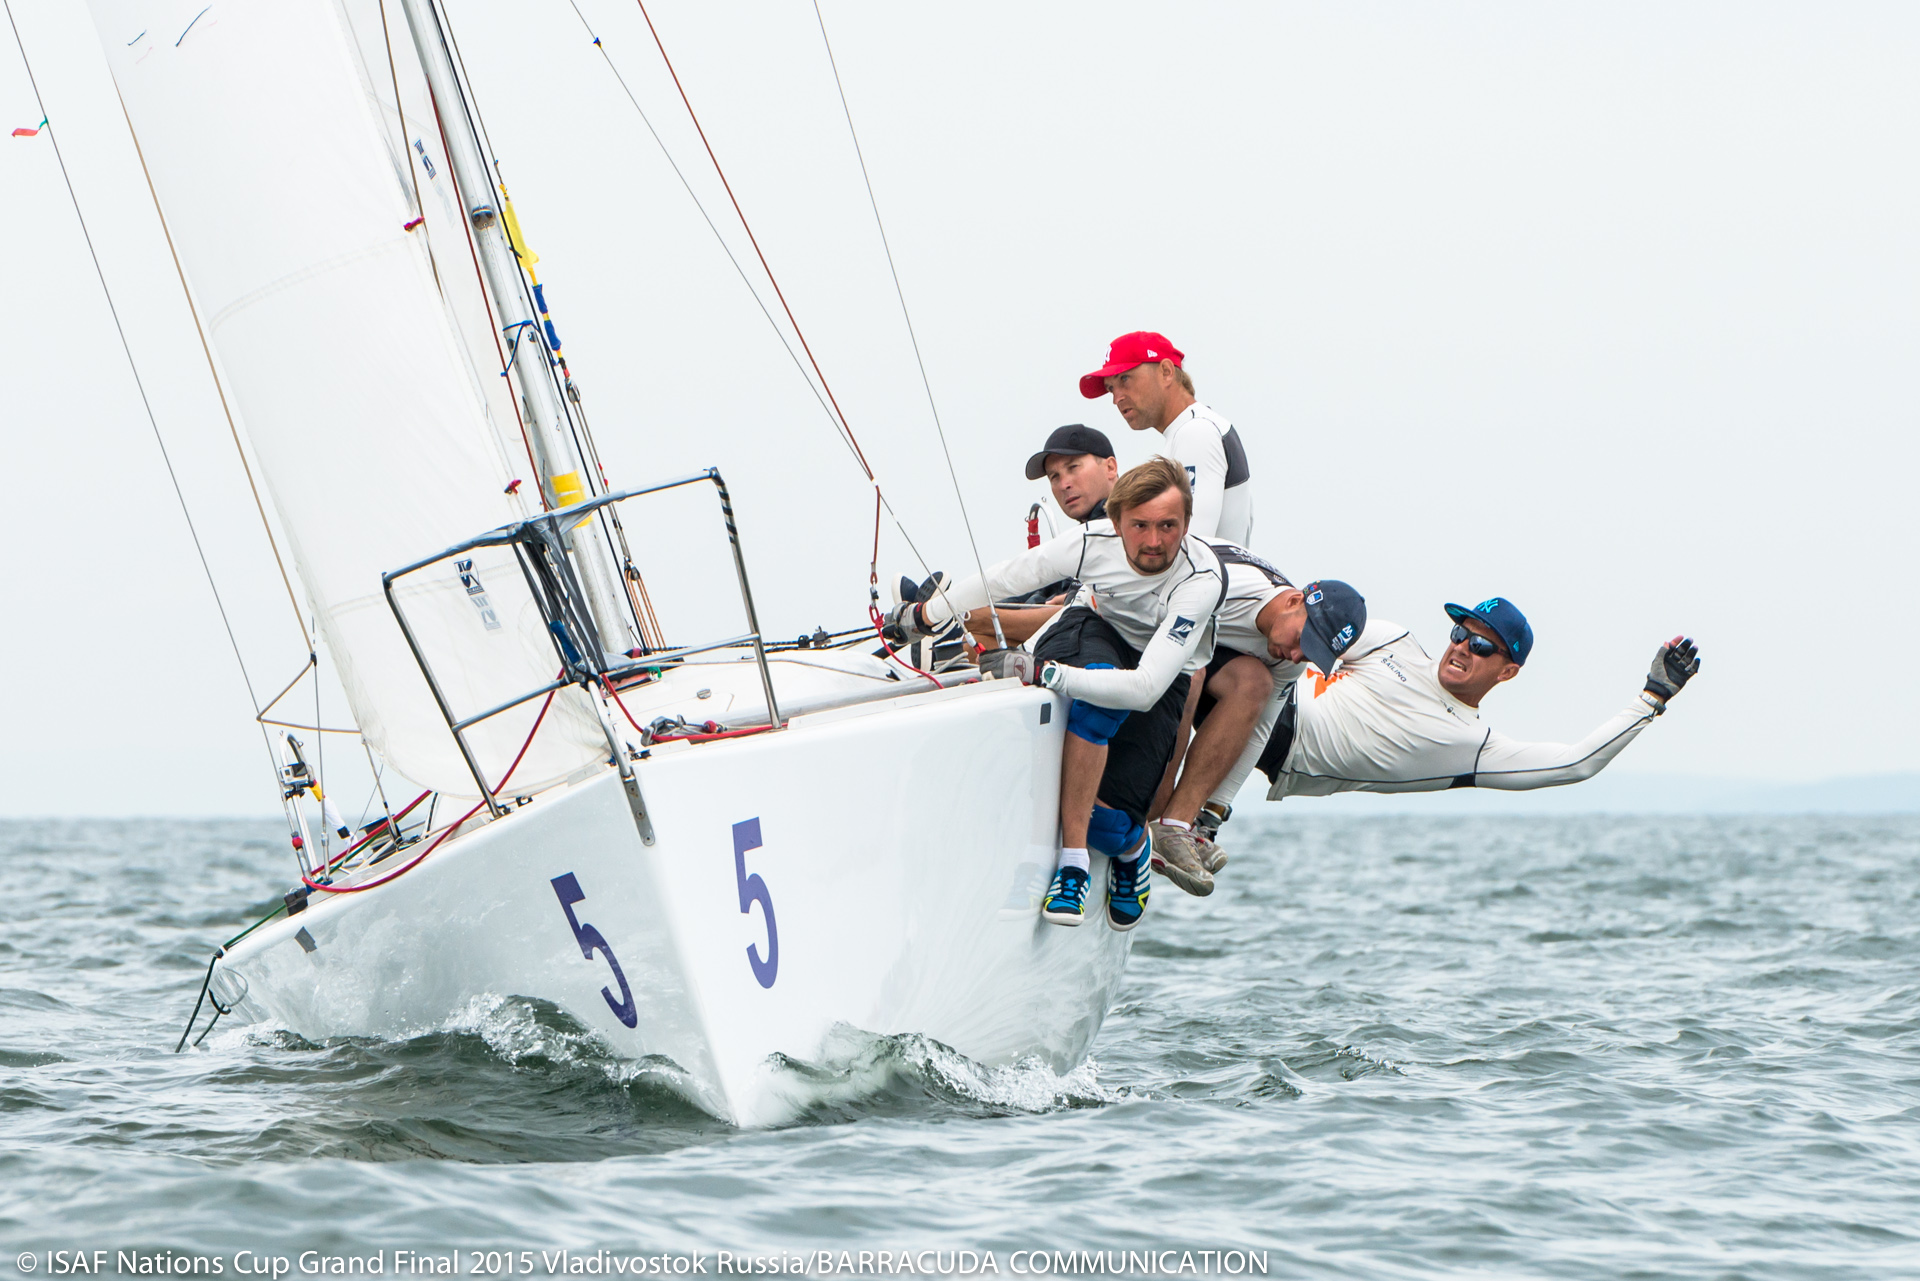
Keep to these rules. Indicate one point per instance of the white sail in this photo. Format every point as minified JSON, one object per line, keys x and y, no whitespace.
{"x":360,"y":395}
{"x":417,"y":151}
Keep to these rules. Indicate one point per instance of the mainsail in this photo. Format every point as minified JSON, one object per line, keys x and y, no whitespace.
{"x":361,"y":363}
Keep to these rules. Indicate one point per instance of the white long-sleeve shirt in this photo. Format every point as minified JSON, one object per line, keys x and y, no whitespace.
{"x":1251,"y":583}
{"x":1167,"y":616}
{"x":1384,"y":723}
{"x":1205,"y":443}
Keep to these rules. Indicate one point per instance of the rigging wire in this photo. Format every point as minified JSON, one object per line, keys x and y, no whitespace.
{"x":486,"y":298}
{"x":900,"y":293}
{"x":139,"y":384}
{"x":397,"y":873}
{"x":838,"y":420}
{"x":571,"y":411}
{"x":753,"y":239}
{"x":846,"y":437}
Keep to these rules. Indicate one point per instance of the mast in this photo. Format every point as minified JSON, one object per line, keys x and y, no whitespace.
{"x":565,"y":477}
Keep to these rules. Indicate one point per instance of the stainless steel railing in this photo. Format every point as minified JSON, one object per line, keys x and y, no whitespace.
{"x":540,"y":547}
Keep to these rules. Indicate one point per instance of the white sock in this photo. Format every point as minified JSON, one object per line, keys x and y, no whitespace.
{"x":1075,"y":858}
{"x":1174,"y":822}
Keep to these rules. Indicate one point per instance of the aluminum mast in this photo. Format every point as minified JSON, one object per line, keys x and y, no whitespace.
{"x":564,"y":476}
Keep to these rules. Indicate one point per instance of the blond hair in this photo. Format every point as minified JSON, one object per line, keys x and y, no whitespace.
{"x":1147,"y":482}
{"x":1184,"y":378}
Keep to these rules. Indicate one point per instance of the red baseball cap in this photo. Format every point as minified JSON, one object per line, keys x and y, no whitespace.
{"x":1127,"y":351}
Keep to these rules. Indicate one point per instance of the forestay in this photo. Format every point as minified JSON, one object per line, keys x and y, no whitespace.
{"x":365,"y":396}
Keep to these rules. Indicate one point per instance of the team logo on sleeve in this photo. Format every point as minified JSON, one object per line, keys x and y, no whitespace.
{"x":1181,"y":629}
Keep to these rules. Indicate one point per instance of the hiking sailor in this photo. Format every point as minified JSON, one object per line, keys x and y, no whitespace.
{"x":1078,"y":462}
{"x":1150,"y":386}
{"x":1121,"y":652}
{"x":1267,"y":617}
{"x":1394,"y":720}
{"x":1079,"y":466}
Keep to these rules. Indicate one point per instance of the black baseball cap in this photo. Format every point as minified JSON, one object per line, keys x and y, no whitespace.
{"x":1074,"y":438}
{"x":1336,"y":615}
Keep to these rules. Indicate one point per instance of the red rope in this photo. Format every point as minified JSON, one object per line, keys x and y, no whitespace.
{"x":450,"y":830}
{"x":741,"y":214}
{"x":873,"y":598}
{"x":879,"y":629}
{"x":707,"y":738}
{"x":347,"y":853}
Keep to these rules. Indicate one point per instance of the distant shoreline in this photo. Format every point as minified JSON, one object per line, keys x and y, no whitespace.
{"x":1622,"y":793}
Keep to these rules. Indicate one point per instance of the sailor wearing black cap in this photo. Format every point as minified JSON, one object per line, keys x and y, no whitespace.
{"x":1077,"y":462}
{"x":1122,"y":654}
{"x":1394,"y":719}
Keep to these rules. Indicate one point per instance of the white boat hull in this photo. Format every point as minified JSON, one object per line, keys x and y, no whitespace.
{"x":901,"y":846}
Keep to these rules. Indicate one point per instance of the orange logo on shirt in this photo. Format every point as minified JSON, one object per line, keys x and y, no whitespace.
{"x":1321,"y":681}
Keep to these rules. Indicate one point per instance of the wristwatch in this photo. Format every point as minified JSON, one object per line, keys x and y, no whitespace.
{"x":1050,"y":675}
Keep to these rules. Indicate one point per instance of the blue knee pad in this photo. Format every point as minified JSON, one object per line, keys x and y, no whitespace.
{"x":1097,"y":725}
{"x":1111,"y":832}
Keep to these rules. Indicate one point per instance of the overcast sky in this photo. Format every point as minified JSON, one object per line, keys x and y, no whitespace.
{"x":1611,"y":309}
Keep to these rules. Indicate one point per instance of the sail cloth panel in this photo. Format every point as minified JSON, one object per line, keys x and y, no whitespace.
{"x":275,"y":171}
{"x":414,"y":144}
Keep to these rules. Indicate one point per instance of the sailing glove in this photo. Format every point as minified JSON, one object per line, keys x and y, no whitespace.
{"x":1011,"y":664}
{"x":1673,"y":666}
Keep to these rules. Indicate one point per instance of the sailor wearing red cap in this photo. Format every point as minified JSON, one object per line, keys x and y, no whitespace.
{"x":1151,"y":388}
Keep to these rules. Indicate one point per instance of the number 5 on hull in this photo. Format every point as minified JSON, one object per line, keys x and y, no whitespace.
{"x":591,"y":941}
{"x":746,"y":836}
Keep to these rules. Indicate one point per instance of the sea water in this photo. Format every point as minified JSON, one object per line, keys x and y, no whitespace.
{"x":1389,"y":1047}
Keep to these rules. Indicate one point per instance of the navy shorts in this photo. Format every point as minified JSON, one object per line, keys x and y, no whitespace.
{"x":1138,"y":754}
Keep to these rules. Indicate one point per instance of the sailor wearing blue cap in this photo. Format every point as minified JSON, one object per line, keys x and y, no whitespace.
{"x":1263,"y":619}
{"x":1394,"y":719}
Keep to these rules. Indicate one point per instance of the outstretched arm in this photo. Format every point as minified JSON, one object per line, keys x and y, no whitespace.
{"x":1515,"y":766}
{"x":1032,"y":569}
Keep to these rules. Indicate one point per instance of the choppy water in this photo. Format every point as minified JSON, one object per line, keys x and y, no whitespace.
{"x":1596,"y":1047}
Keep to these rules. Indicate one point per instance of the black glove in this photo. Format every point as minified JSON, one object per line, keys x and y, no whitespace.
{"x":1011,"y":664}
{"x":1673,"y":666}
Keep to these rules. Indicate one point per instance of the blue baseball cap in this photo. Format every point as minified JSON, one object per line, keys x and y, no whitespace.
{"x":1336,"y":615}
{"x":1507,"y":622}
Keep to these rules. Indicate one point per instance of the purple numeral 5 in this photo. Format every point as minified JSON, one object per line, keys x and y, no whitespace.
{"x":591,"y":941}
{"x":746,"y":836}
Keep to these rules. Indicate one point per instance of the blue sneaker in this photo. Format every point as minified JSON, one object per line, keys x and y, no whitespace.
{"x":1128,"y":883}
{"x":1066,"y":901}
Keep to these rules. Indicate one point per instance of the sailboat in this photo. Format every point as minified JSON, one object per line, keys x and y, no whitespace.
{"x":651,"y":837}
